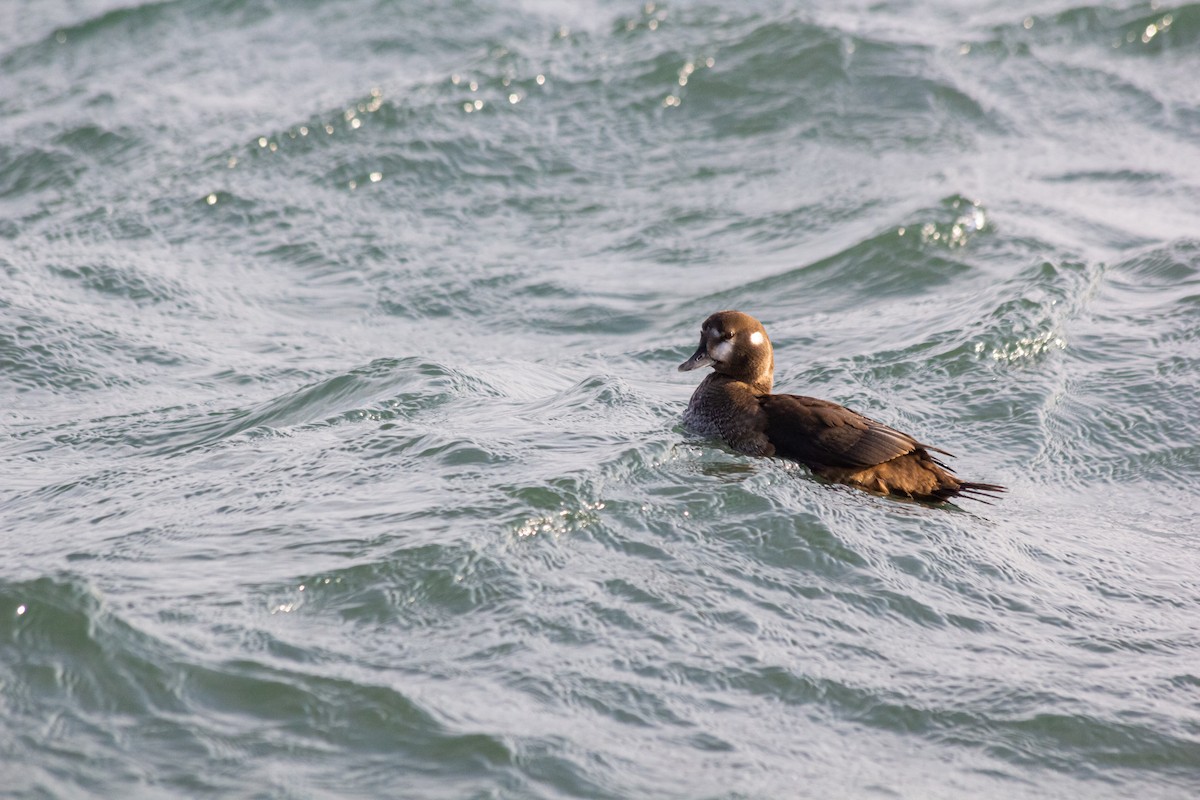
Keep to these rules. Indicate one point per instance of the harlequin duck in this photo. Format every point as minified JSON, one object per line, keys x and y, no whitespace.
{"x":735,"y":402}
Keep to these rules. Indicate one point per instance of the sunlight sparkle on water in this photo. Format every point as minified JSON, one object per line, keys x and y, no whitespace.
{"x":1025,"y":348}
{"x":565,"y":521}
{"x":675,"y":98}
{"x":1151,"y":30}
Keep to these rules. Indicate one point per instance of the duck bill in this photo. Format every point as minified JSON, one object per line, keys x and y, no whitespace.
{"x":699,"y":359}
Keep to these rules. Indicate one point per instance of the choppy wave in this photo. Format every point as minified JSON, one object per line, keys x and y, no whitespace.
{"x":342,"y":441}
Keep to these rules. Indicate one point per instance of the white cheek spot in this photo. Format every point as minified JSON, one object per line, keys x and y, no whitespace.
{"x":756,"y":337}
{"x":722,"y":351}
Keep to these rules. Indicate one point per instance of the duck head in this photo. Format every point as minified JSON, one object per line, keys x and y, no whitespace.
{"x":736,"y":345}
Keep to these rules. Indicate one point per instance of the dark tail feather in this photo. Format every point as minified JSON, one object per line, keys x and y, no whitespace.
{"x":973,"y":491}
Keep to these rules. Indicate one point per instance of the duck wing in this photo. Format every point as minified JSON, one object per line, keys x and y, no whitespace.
{"x":824,"y":434}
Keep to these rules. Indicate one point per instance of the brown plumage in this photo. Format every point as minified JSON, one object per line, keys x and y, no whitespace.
{"x":735,"y":402}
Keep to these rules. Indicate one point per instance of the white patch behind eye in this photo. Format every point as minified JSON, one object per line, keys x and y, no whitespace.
{"x":756,"y":337}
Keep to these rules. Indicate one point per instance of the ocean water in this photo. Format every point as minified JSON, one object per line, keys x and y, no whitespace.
{"x":340,"y":420}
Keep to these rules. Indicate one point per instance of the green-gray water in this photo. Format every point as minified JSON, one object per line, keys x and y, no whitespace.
{"x":340,"y":423}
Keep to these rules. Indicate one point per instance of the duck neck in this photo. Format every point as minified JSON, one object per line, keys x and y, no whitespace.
{"x":759,"y":385}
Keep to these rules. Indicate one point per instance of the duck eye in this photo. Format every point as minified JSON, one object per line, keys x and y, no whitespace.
{"x":726,"y":336}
